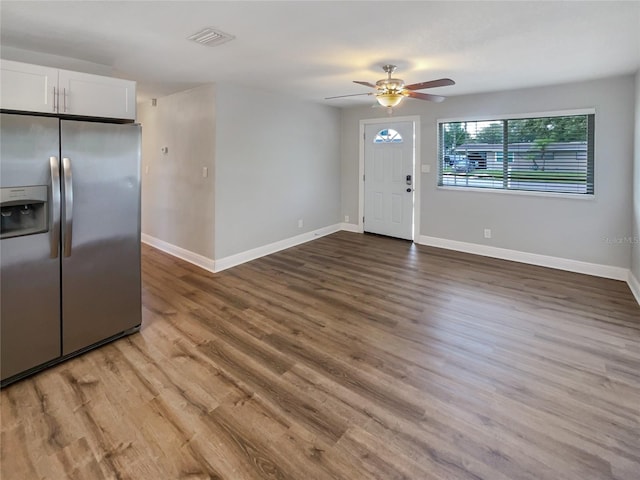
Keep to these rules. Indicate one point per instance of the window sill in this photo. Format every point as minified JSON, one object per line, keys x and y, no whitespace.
{"x":527,"y":193}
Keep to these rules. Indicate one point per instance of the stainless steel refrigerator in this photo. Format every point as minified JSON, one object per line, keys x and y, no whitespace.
{"x":70,"y":238}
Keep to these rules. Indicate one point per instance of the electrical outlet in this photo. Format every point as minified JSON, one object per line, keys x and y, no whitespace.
{"x":300,"y":223}
{"x":205,"y":172}
{"x":487,"y":233}
{"x":346,"y":219}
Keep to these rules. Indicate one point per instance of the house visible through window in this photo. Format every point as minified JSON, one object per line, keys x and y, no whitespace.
{"x":544,"y":154}
{"x":387,"y":135}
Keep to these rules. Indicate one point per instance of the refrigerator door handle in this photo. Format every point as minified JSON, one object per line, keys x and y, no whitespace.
{"x":68,"y":206}
{"x":54,"y":231}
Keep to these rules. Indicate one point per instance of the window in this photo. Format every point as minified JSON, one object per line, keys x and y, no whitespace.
{"x":553,"y":153}
{"x":499,"y":157}
{"x":387,"y":136}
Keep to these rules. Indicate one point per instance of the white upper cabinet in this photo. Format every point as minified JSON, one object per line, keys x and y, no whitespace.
{"x":33,"y":88}
{"x":27,"y":87}
{"x":96,"y":96}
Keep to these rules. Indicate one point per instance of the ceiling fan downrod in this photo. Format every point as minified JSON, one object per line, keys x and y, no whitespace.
{"x":389,"y":69}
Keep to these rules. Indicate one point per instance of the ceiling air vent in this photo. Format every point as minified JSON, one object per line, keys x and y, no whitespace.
{"x":210,"y":37}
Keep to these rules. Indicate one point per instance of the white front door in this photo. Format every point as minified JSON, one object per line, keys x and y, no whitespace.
{"x":389,"y":179}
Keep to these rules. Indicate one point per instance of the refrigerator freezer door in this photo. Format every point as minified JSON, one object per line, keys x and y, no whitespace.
{"x":29,"y":277}
{"x":101,"y":275}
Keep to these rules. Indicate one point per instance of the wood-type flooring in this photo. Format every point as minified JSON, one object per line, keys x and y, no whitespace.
{"x":351,"y":357}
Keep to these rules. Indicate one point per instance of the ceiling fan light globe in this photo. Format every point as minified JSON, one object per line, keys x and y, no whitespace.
{"x":390,"y":99}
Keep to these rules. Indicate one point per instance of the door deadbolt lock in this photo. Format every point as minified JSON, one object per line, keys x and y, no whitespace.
{"x":408,"y":179}
{"x":409,"y":190}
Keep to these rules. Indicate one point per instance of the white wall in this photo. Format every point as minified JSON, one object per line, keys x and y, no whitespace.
{"x":635,"y":257}
{"x":277,"y":161}
{"x":568,"y":228}
{"x":177,"y":202}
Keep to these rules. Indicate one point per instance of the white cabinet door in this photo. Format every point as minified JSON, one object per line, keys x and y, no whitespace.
{"x":96,"y":96}
{"x":28,"y":88}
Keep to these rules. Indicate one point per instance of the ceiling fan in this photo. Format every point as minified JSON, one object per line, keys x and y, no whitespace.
{"x":390,"y":91}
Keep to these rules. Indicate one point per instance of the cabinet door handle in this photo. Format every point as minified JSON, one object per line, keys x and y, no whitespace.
{"x":55,"y":109}
{"x":64,"y":98}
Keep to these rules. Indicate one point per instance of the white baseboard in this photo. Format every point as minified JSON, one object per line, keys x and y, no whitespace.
{"x":350,"y":227}
{"x":187,"y":255}
{"x":606,"y":271}
{"x":634,"y":285}
{"x":239,"y":258}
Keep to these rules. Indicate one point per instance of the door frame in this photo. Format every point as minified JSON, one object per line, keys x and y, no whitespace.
{"x":415,"y":233}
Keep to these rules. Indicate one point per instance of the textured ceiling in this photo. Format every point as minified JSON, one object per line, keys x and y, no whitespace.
{"x":312,"y":50}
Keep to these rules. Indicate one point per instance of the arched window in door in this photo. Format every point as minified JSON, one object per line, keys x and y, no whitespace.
{"x":387,"y":135}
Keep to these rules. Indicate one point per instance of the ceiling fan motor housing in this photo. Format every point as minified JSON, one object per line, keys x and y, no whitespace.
{"x":390,"y":84}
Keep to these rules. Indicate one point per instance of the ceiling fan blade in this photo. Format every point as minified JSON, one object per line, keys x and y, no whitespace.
{"x":366,"y":84}
{"x":351,"y":95}
{"x":442,"y":82}
{"x":425,"y":96}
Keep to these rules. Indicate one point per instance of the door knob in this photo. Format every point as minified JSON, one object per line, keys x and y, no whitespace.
{"x":409,"y":190}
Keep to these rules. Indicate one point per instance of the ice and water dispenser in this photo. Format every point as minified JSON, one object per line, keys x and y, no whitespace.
{"x":23,"y":211}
